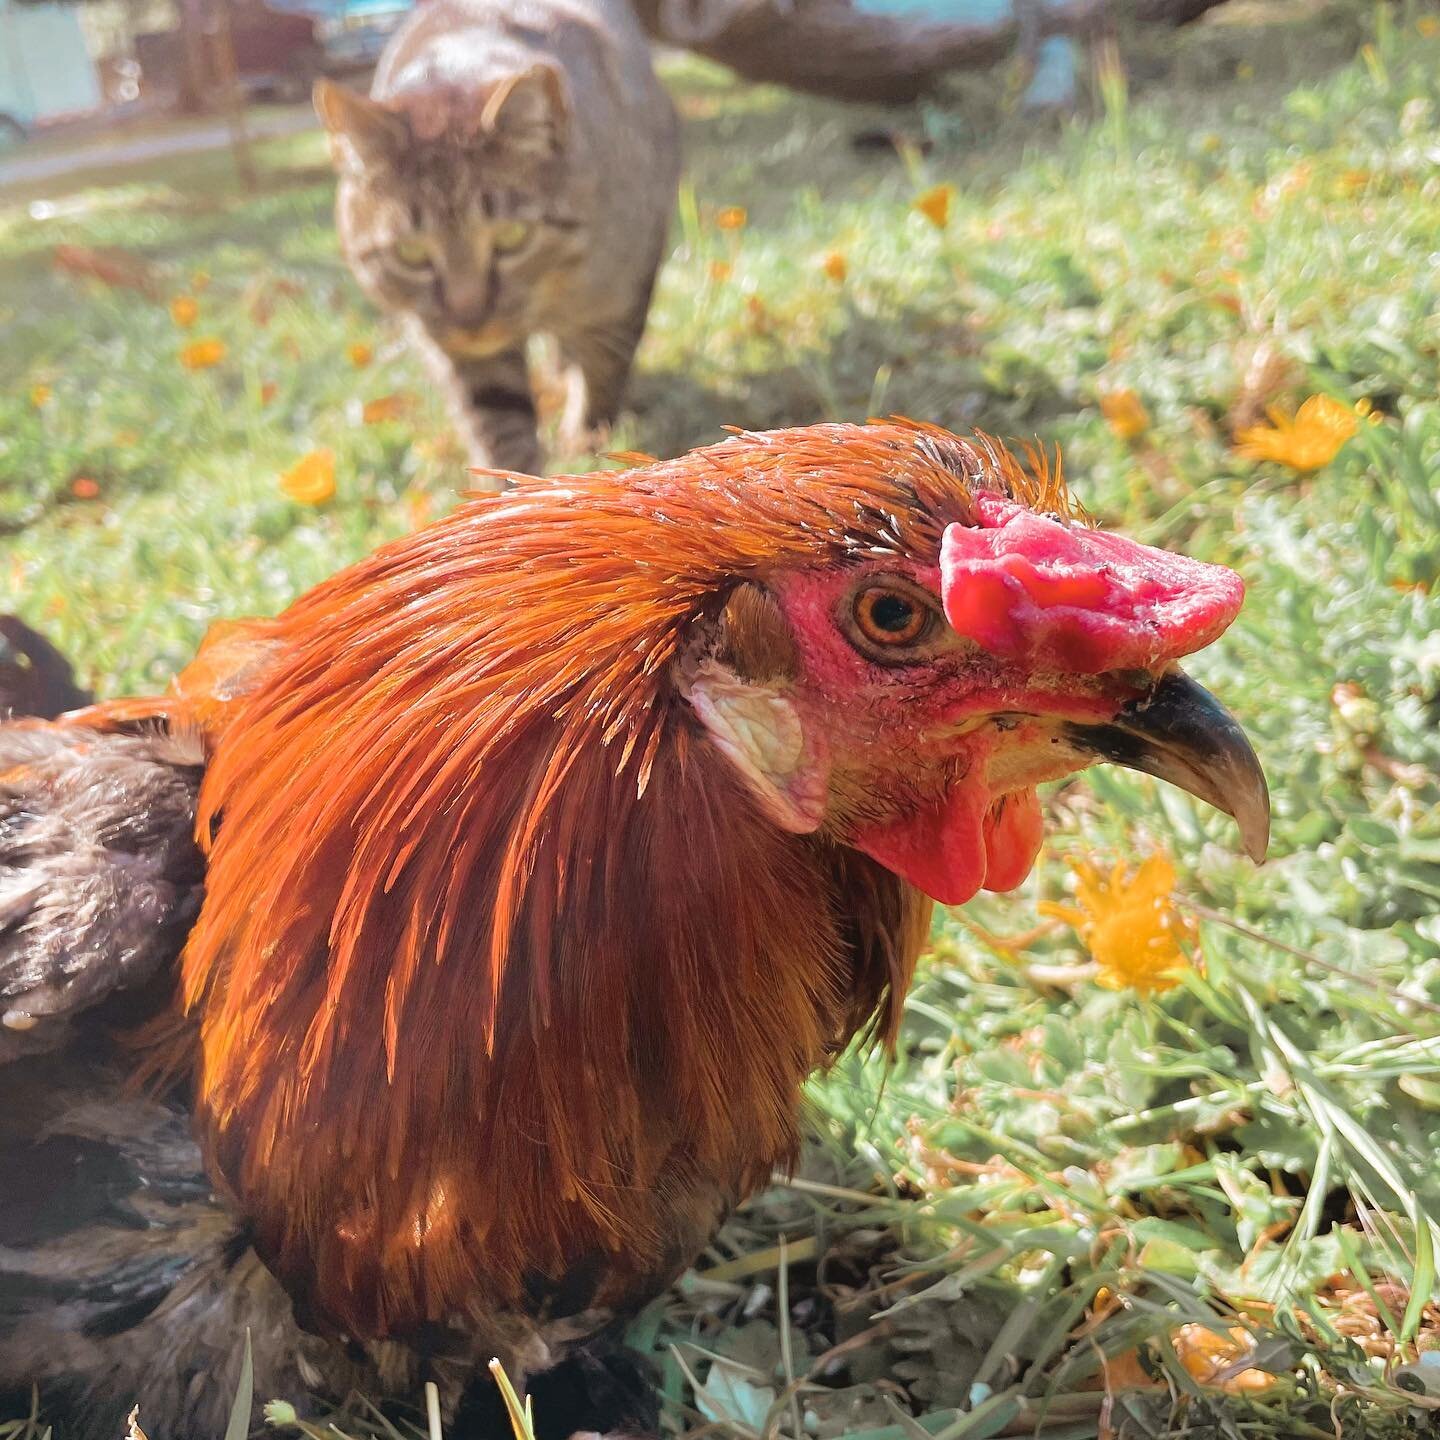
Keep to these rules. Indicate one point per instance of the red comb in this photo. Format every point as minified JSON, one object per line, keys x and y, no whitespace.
{"x":1025,"y":587}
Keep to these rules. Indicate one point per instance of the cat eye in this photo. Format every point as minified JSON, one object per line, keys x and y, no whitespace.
{"x":889,"y":616}
{"x":412,"y":252}
{"x":510,"y":235}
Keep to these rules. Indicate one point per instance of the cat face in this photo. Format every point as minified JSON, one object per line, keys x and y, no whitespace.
{"x":452,"y":204}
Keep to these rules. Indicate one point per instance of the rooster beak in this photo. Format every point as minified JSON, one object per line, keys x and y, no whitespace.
{"x":1181,"y":733}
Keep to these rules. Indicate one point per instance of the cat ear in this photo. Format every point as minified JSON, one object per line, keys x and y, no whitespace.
{"x":529,"y":111}
{"x":363,"y":132}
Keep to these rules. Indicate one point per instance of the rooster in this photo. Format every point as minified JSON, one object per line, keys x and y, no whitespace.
{"x":475,"y":923}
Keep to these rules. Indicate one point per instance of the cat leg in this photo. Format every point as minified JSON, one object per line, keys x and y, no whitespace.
{"x":491,"y":404}
{"x":600,"y":360}
{"x":495,"y":412}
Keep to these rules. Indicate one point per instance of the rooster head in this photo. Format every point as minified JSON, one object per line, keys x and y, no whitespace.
{"x":908,"y":701}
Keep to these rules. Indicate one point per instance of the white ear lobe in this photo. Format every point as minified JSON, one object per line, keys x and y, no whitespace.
{"x":759,"y":730}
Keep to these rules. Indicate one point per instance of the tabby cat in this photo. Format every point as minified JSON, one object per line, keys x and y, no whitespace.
{"x":512,"y":172}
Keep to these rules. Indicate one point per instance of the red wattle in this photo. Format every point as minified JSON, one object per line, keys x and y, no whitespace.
{"x":940,"y":850}
{"x":968,"y":841}
{"x":1014,"y":829}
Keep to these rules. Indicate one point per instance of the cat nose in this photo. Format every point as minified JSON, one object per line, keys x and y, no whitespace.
{"x":468,"y":300}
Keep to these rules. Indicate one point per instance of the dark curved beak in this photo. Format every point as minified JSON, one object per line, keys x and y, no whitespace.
{"x":1181,"y":733}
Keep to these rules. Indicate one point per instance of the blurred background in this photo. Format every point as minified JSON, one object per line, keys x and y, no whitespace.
{"x":1158,"y":1154}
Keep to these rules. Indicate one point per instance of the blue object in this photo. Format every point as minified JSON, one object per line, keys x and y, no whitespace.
{"x":340,"y":10}
{"x":1056,"y":59}
{"x":45,"y":67}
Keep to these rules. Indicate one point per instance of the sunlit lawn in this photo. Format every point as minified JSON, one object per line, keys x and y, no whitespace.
{"x":1059,"y":1172}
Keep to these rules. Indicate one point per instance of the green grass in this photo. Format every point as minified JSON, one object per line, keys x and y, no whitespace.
{"x":1257,"y":1142}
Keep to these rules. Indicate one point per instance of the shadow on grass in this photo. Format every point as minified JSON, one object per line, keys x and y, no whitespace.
{"x":907,"y":363}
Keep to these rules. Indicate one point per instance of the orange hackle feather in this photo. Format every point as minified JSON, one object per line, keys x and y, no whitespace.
{"x":500,"y":973}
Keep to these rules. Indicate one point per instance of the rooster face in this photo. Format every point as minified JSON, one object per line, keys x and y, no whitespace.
{"x":908,"y":706}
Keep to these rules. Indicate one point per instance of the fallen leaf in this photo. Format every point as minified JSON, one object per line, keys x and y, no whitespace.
{"x":116,"y":268}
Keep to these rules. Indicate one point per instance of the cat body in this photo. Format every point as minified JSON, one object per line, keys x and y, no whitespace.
{"x":511,"y":173}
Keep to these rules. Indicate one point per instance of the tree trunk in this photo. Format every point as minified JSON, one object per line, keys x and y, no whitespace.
{"x":232,"y":97}
{"x":194,"y":66}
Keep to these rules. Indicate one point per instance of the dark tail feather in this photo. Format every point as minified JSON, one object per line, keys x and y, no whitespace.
{"x":35,"y":678}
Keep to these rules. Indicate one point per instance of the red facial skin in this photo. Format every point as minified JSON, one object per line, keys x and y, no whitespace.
{"x":933,"y":762}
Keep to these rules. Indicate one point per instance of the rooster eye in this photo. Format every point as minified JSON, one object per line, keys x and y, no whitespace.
{"x":888,"y":616}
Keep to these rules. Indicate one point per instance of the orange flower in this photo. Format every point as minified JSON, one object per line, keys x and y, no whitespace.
{"x":202,"y":354}
{"x":732,"y":217}
{"x":385,"y":407}
{"x":1207,"y":1356}
{"x":40,"y":396}
{"x":268,"y":391}
{"x":1312,"y":439}
{"x":835,"y":266}
{"x":82,"y":487}
{"x":360,"y":354}
{"x":721,"y":271}
{"x":184,"y":311}
{"x":417,"y":508}
{"x":1129,"y":923}
{"x":1125,"y":413}
{"x":934,"y":204}
{"x":311,"y":480}
{"x":1428,"y":26}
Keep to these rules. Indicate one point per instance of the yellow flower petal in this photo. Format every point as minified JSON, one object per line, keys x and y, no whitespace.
{"x":202,"y":354}
{"x":40,"y":396}
{"x":721,"y":271}
{"x":184,"y":311}
{"x":934,"y":204}
{"x":360,"y":354}
{"x":1130,"y":924}
{"x":732,"y":217}
{"x":835,"y":266}
{"x":1309,"y":441}
{"x":311,"y":480}
{"x":1125,"y":413}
